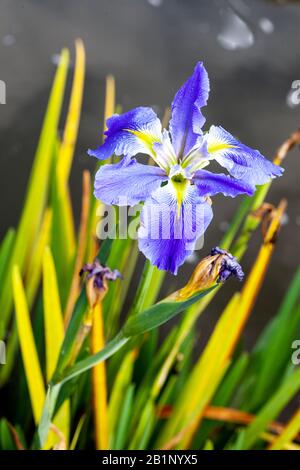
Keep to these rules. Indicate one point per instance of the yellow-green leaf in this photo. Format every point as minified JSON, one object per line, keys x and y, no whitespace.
{"x":54,"y":333}
{"x":31,"y":363}
{"x":38,"y":187}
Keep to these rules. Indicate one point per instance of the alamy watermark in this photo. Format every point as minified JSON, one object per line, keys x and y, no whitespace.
{"x":153,"y":222}
{"x":293,"y":97}
{"x":2,"y":92}
{"x":2,"y":352}
{"x":296,"y":353}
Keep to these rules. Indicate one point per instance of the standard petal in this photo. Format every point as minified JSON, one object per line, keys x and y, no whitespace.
{"x":130,"y":133}
{"x":167,"y":237}
{"x":241,"y":161}
{"x":127,"y":184}
{"x":187,"y":119}
{"x":165,"y":155}
{"x":209,"y":184}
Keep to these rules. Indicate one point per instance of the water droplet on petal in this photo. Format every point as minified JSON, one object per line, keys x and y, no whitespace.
{"x":8,"y":40}
{"x":266,"y":25}
{"x":236,"y":34}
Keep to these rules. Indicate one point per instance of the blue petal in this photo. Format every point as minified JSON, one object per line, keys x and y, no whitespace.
{"x":164,"y":152}
{"x":167,"y":237}
{"x":187,"y":119}
{"x":127,"y":184}
{"x":130,"y":133}
{"x":241,"y":161}
{"x":209,"y":184}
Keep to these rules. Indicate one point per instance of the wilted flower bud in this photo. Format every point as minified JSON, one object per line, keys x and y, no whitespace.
{"x":229,"y":265}
{"x":97,"y":277}
{"x":215,"y":268}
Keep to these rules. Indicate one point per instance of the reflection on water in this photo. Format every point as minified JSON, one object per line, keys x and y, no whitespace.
{"x":284,"y":2}
{"x":266,"y":25}
{"x":236,"y":34}
{"x":155,"y":3}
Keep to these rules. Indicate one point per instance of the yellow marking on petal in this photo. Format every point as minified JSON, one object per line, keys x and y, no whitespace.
{"x":146,"y":138}
{"x":180,"y":191}
{"x":217,"y":145}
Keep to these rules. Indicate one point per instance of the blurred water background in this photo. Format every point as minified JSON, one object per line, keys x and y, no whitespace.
{"x":250,"y":49}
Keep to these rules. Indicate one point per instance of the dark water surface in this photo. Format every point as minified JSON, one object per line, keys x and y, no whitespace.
{"x":252,"y":54}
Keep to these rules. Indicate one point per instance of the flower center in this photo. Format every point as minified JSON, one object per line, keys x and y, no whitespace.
{"x":179,"y":184}
{"x":178,"y":178}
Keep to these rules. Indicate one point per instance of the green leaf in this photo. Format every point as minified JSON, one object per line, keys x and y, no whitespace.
{"x":37,"y":192}
{"x":142,"y":434}
{"x":121,"y":383}
{"x":124,"y":419}
{"x":5,"y":251}
{"x":31,"y":362}
{"x":6,"y":440}
{"x":274,"y":342}
{"x":159,"y":313}
{"x":269,"y":412}
{"x":54,"y":333}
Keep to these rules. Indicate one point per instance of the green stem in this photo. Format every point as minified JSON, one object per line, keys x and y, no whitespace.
{"x":139,"y":302}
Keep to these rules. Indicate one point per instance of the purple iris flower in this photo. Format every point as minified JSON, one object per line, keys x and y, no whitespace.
{"x":178,"y":186}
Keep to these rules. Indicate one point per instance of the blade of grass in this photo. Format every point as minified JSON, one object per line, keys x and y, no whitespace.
{"x":67,"y":147}
{"x":144,"y":286}
{"x":142,"y":433}
{"x":32,"y":280}
{"x":275,"y":341}
{"x":34,"y":270}
{"x":116,"y":296}
{"x":6,"y":439}
{"x":248,"y":437}
{"x":121,"y":384}
{"x":110,"y":99}
{"x":54,"y":333}
{"x":37,"y":189}
{"x":223,"y":395}
{"x":5,"y":251}
{"x":75,"y":284}
{"x":34,"y":377}
{"x":124,"y":419}
{"x":290,"y":432}
{"x":63,"y":224}
{"x":99,"y":383}
{"x":32,"y":368}
{"x":77,"y":432}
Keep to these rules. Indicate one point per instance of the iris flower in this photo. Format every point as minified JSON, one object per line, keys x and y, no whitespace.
{"x":178,"y":185}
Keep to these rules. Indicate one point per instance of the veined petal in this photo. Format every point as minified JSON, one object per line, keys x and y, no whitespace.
{"x":165,"y":155}
{"x":167,"y":238}
{"x":187,"y":119}
{"x":241,"y":161}
{"x":130,"y":133}
{"x":198,"y":157}
{"x":209,"y":184}
{"x":127,"y":184}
